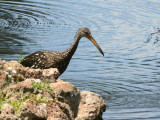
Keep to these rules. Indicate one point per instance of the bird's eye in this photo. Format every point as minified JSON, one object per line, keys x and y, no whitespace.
{"x":86,"y":33}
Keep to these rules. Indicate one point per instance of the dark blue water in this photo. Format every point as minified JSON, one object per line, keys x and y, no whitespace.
{"x":127,"y":77}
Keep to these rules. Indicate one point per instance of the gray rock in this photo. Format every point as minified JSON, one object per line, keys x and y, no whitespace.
{"x":91,"y":106}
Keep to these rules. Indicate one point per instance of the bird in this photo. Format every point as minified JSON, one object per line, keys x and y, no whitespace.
{"x":53,"y":59}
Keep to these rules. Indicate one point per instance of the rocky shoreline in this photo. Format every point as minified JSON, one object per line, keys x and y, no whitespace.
{"x":35,"y":94}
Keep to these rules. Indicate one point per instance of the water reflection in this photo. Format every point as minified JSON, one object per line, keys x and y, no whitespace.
{"x":127,"y":77}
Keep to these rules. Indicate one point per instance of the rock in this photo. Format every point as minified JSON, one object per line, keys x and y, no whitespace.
{"x":35,"y":94}
{"x":7,"y":109}
{"x":8,"y":113}
{"x":69,"y":92}
{"x":91,"y":106}
{"x":14,"y":72}
{"x":63,"y":112}
{"x":2,"y":79}
{"x":51,"y":111}
{"x":33,"y":111}
{"x":9,"y":117}
{"x":16,"y":91}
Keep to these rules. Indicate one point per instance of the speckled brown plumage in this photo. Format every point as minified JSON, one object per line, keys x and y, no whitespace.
{"x":60,"y":60}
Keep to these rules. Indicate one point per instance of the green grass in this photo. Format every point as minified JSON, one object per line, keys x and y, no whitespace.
{"x":20,"y":58}
{"x":8,"y":79}
{"x":2,"y":98}
{"x":40,"y":100}
{"x":15,"y":104}
{"x":43,"y":86}
{"x":19,"y":77}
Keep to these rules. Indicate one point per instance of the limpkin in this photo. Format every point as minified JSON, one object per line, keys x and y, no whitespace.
{"x":60,"y":60}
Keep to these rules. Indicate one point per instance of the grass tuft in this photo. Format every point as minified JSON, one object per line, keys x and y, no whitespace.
{"x":42,"y":86}
{"x":20,"y":59}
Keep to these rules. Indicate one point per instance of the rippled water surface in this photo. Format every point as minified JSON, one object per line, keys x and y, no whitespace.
{"x":128,"y":76}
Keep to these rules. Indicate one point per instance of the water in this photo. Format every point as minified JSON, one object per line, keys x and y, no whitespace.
{"x":127,"y":77}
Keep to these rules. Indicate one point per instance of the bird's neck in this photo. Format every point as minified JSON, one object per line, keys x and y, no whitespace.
{"x":71,"y":50}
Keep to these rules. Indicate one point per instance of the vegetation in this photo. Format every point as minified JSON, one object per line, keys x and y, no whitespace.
{"x":15,"y":104}
{"x":20,"y":58}
{"x":38,"y":96}
{"x":39,"y":100}
{"x":2,"y":98}
{"x":8,"y":79}
{"x":42,"y":86}
{"x":19,"y":77}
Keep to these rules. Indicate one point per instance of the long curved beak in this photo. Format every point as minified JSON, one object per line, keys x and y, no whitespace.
{"x":95,"y":43}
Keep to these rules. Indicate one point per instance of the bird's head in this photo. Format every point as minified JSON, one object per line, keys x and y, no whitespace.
{"x":85,"y":32}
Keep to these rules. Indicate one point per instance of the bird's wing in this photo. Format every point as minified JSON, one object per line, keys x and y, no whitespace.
{"x":34,"y":60}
